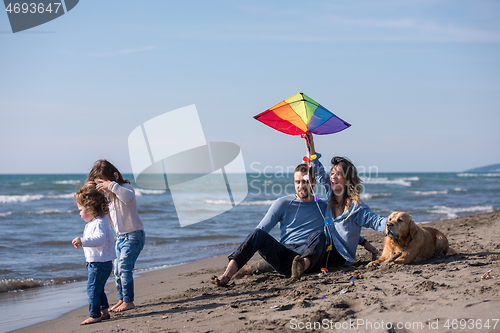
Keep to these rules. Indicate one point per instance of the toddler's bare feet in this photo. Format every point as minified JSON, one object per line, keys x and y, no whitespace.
{"x":105,"y":314}
{"x":90,"y":320}
{"x":298,"y":267}
{"x":120,"y":302}
{"x":124,"y":307}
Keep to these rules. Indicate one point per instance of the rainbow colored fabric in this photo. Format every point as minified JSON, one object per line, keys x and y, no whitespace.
{"x":300,"y":114}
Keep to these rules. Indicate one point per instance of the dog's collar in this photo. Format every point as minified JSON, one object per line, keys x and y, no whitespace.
{"x":398,"y":240}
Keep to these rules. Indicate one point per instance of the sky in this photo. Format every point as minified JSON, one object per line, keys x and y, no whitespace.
{"x":418,"y":80}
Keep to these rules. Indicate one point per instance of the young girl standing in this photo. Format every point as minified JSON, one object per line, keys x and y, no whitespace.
{"x":127,"y":225}
{"x":97,"y":243}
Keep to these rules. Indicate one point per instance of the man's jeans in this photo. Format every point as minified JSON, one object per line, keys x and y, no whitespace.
{"x":98,"y":275}
{"x":128,"y":248}
{"x":278,"y":255}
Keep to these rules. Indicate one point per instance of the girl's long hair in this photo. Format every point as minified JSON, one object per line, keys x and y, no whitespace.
{"x":103,"y":169}
{"x":354,"y":184}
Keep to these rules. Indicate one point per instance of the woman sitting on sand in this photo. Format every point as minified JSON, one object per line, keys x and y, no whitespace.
{"x":346,"y":213}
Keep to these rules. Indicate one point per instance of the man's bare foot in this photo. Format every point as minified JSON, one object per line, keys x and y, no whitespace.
{"x":260,"y":266}
{"x":90,"y":320}
{"x":220,"y":281}
{"x":105,"y":314}
{"x":298,"y":268}
{"x":125,"y":306}
{"x":120,"y":302}
{"x":246,"y":270}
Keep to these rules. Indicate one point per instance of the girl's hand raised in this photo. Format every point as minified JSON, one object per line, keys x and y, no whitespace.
{"x":102,"y":185}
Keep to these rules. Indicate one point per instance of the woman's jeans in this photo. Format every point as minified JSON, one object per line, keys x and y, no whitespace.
{"x":98,"y":275}
{"x":128,"y":248}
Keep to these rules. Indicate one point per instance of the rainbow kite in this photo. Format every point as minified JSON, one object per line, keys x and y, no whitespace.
{"x":300,"y":114}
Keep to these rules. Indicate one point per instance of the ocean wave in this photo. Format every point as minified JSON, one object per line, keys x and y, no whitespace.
{"x":27,"y":184}
{"x":244,"y":203}
{"x":67,"y":182}
{"x":428,"y":192}
{"x":465,"y":174}
{"x":52,"y":211}
{"x":258,"y":203}
{"x":453,"y":212}
{"x":384,"y":181}
{"x":20,"y":198}
{"x":33,"y":197}
{"x":140,"y":191}
{"x":368,"y":196}
{"x":201,"y":237}
{"x":53,"y":243}
{"x":27,"y":283}
{"x":62,"y":196}
{"x":5,"y":214}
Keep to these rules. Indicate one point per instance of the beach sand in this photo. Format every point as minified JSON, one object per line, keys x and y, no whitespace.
{"x":422,"y":297}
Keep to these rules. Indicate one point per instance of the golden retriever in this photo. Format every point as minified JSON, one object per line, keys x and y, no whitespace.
{"x":407,"y":242}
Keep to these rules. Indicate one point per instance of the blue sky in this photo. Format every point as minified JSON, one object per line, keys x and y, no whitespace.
{"x":418,"y":80}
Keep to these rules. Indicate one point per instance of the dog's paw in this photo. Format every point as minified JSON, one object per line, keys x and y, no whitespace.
{"x":395,"y":256}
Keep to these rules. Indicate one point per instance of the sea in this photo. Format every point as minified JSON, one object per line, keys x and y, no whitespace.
{"x":42,"y":275}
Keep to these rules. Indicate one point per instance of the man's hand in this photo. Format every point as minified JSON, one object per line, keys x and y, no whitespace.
{"x":372,"y":249}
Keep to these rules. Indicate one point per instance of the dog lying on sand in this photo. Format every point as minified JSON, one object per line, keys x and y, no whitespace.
{"x":406,"y":242}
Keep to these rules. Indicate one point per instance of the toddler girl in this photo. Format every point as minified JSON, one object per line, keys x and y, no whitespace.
{"x":97,"y":243}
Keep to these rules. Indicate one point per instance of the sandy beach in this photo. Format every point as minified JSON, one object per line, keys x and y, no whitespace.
{"x":452,"y":294}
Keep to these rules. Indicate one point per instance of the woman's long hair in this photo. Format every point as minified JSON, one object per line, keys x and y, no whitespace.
{"x":354,"y":184}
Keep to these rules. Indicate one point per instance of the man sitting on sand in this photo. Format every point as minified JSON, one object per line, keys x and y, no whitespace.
{"x":302,"y":242}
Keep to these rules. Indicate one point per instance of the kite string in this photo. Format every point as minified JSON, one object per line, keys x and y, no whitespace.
{"x":330,"y":240}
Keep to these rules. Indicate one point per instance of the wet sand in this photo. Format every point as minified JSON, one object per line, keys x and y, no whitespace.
{"x":421,"y":297}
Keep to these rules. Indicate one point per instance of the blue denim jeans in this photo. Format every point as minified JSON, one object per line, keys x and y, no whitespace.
{"x":278,"y":255}
{"x":128,"y":248}
{"x":98,"y":275}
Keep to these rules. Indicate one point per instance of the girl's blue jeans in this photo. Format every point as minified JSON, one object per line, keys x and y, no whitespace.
{"x":98,"y":275}
{"x":128,"y":248}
